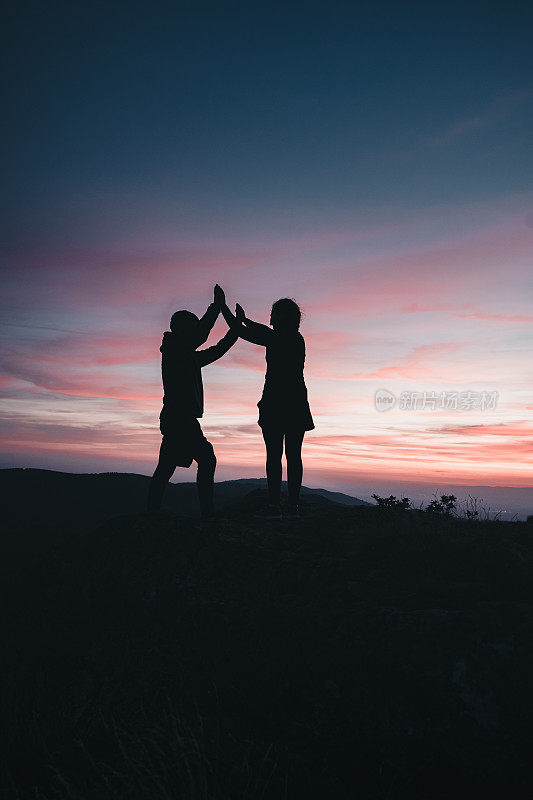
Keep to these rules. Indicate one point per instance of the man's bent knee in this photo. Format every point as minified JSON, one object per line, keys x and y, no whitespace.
{"x":207,"y":459}
{"x":164,"y":472}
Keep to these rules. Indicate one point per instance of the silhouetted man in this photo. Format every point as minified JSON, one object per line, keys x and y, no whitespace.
{"x":183,"y":402}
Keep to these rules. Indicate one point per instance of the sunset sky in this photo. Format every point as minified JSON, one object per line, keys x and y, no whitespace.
{"x":373,"y":161}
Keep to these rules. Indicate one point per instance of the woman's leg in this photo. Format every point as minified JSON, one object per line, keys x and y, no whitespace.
{"x":274,"y":451}
{"x":293,"y":453}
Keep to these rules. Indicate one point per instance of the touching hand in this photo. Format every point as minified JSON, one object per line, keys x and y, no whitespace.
{"x":240,"y":316}
{"x":219,"y":298}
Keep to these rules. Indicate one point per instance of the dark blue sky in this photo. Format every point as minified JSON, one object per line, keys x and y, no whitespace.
{"x":202,"y":109}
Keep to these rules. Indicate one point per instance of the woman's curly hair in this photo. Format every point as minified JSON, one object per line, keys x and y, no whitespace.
{"x":288,"y":313}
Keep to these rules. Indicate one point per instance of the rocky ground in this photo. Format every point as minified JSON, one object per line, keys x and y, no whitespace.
{"x":352,"y":653}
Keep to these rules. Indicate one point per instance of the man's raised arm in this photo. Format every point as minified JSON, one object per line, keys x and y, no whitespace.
{"x":219,"y":349}
{"x":210,"y":317}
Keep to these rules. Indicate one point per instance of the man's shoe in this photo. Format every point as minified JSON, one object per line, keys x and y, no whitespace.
{"x":269,"y":512}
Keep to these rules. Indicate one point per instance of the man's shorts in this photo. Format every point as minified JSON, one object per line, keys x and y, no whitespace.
{"x":183,"y":441}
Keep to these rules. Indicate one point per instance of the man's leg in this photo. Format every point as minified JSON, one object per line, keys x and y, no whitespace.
{"x":163,"y":473}
{"x":205,"y":477}
{"x":274,"y":451}
{"x":293,"y":453}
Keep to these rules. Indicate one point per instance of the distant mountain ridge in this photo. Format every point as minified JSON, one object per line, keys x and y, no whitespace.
{"x":38,"y":493}
{"x":248,"y":484}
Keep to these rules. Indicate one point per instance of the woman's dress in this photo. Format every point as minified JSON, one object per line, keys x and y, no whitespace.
{"x":284,"y":404}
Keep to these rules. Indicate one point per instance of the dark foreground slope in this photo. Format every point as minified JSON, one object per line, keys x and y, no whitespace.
{"x":349,"y":654}
{"x":37,"y":501}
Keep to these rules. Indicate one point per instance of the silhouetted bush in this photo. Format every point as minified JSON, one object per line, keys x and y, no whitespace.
{"x":391,"y":503}
{"x":445,"y":505}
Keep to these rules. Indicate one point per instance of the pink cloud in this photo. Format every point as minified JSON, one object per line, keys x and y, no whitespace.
{"x":500,"y":107}
{"x":90,"y":383}
{"x":413,"y":308}
{"x":70,"y":350}
{"x":114,"y":279}
{"x":418,"y":458}
{"x":497,"y":317}
{"x":422,"y":362}
{"x":519,"y":428}
{"x":447,"y":270}
{"x":417,"y":308}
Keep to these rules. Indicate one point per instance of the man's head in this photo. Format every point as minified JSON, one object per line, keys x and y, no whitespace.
{"x":184,"y":324}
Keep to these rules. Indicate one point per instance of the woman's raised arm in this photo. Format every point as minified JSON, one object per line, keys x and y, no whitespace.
{"x":248,"y":329}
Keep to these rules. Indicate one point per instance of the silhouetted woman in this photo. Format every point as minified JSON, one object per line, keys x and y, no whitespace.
{"x":284,"y":413}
